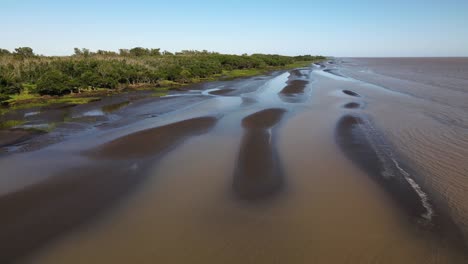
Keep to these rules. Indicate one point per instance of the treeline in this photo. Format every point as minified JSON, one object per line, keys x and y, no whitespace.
{"x":23,"y":69}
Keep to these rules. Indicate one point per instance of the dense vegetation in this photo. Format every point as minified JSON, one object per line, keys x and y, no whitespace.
{"x":22,"y":70}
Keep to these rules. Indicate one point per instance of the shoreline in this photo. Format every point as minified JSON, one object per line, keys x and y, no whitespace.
{"x":21,"y":122}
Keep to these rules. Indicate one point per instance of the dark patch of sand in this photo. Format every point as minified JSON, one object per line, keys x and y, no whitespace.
{"x":258,"y":173}
{"x":264,"y":119}
{"x":152,"y":141}
{"x":294,"y":91}
{"x":300,"y":73}
{"x":297,"y":73}
{"x":295,"y":87}
{"x":222,"y":91}
{"x":351,"y":93}
{"x":352,"y":105}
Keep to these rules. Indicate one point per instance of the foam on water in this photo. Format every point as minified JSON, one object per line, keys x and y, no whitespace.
{"x":31,"y":113}
{"x":208,"y":91}
{"x":384,"y":153}
{"x":95,"y":112}
{"x":424,"y":198}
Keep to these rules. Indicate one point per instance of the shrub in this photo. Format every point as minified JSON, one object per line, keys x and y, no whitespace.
{"x":53,"y":82}
{"x":3,"y":98}
{"x":136,"y":66}
{"x":24,"y":52}
{"x":9,"y":86}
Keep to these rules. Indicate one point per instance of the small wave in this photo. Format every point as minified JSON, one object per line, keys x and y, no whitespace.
{"x":386,"y":151}
{"x":367,"y":146}
{"x":424,"y":198}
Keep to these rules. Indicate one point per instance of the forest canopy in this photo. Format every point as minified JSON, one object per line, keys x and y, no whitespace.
{"x":61,"y":75}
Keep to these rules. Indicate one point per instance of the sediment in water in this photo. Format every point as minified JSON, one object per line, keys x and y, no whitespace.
{"x":295,"y":87}
{"x":258,"y":173}
{"x":152,"y":141}
{"x":37,"y":214}
{"x":367,"y":148}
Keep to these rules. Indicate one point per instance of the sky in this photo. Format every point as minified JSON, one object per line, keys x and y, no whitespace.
{"x":328,"y":27}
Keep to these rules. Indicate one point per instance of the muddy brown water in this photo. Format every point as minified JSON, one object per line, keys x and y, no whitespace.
{"x":289,"y":168}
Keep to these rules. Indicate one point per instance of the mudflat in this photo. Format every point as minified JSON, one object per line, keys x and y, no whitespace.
{"x":152,"y":141}
{"x":258,"y":172}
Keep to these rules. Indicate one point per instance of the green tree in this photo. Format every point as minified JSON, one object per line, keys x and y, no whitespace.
{"x":77,"y":51}
{"x":106,"y":53}
{"x":24,"y":52}
{"x":89,"y":79}
{"x":139,"y":51}
{"x":3,"y":98}
{"x":84,"y":52}
{"x":107,"y":69}
{"x":4,"y":52}
{"x":155,"y":52}
{"x":185,"y":75}
{"x":124,"y":52}
{"x":9,"y":86}
{"x":53,"y":82}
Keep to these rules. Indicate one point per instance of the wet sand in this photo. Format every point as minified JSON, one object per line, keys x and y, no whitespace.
{"x":352,"y":105}
{"x":258,"y":172}
{"x":295,"y":90}
{"x":254,"y":177}
{"x":351,"y":93}
{"x":295,"y":86}
{"x":222,"y":92}
{"x":152,"y":141}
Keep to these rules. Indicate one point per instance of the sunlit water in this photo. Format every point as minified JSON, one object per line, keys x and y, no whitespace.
{"x":329,"y":209}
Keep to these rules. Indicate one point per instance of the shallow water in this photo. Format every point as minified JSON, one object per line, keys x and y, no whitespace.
{"x":360,"y":167}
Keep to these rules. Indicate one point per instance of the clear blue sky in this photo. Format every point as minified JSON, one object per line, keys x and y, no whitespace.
{"x":327,"y":27}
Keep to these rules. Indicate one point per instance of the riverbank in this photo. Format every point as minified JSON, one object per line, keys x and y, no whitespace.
{"x":40,"y":121}
{"x":28,"y":115}
{"x":33,"y":87}
{"x":24,"y":74}
{"x":28,"y":99}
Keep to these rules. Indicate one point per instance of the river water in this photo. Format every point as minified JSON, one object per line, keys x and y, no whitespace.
{"x":348,"y":161}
